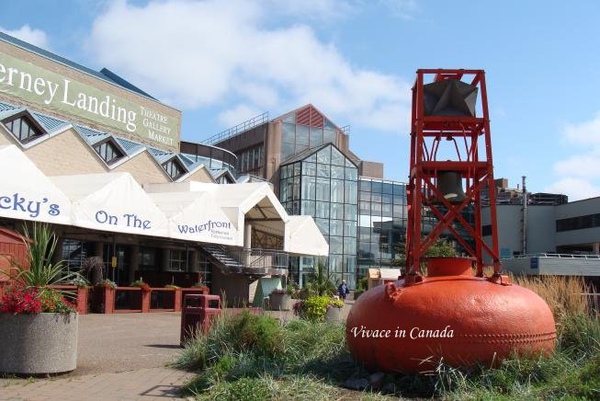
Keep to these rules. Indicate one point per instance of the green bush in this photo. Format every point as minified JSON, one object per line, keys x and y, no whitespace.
{"x":315,"y":307}
{"x":259,"y":333}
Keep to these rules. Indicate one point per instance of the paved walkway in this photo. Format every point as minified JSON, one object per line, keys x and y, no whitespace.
{"x":120,"y":357}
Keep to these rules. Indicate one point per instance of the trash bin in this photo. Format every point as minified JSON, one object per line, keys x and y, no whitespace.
{"x":196,"y":313}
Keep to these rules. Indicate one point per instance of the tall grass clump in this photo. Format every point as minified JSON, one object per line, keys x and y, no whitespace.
{"x":576,"y":323}
{"x":571,"y":373}
{"x":255,"y":357}
{"x":244,"y":349}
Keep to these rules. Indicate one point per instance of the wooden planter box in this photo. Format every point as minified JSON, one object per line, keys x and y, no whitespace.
{"x":44,"y":343}
{"x":134,"y":299}
{"x":83,"y":296}
{"x":103,"y":299}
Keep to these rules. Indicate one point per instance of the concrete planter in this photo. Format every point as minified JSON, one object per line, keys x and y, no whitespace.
{"x":333,"y":314}
{"x":280,"y":301}
{"x":36,"y":344}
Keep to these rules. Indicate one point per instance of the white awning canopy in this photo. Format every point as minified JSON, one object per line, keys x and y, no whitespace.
{"x":304,"y":237}
{"x":196,"y":216}
{"x":248,"y":203}
{"x":26,"y":193}
{"x":112,"y":202}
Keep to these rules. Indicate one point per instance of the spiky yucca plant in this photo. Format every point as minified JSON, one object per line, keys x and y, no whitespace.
{"x":41,"y":244}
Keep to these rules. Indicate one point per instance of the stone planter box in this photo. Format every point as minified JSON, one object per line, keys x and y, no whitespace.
{"x":333,"y":314}
{"x":38,"y":344}
{"x":280,"y":301}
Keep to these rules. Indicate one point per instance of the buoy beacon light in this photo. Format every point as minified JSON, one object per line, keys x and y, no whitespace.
{"x":456,"y":313}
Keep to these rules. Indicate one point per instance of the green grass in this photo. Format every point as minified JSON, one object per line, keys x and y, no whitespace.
{"x":249,"y":357}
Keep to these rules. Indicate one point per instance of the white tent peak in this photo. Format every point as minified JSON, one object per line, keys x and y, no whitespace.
{"x":112,"y":202}
{"x":26,"y":193}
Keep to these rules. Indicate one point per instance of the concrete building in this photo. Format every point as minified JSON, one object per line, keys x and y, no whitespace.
{"x":544,"y":234}
{"x":307,"y":159}
{"x":102,"y":161}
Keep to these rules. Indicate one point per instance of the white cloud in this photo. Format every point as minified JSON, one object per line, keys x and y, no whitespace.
{"x":584,"y":133}
{"x":401,"y":8}
{"x":582,"y":165}
{"x":200,"y":54}
{"x":238,"y":114}
{"x":575,"y":188}
{"x":578,"y":175}
{"x":35,"y":37}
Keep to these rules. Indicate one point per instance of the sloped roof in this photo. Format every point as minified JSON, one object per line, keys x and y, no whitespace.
{"x":53,"y":125}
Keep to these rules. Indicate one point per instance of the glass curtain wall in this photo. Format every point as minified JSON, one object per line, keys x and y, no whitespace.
{"x":324,"y":184}
{"x":382,"y":223}
{"x":299,"y":137}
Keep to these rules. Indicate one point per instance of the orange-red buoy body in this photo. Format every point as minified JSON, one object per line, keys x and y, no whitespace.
{"x":449,"y":317}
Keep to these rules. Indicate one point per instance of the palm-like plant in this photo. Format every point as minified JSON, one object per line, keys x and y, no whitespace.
{"x":41,"y":244}
{"x":321,"y":282}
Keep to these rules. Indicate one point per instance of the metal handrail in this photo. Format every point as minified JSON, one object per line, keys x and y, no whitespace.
{"x":558,"y":256}
{"x":257,"y":258}
{"x":244,"y":126}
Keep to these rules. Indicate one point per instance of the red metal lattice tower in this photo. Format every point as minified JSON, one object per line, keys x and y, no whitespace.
{"x":450,"y":138}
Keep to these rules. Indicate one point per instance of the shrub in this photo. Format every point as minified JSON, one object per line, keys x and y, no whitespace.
{"x":139,"y":283}
{"x":259,"y":333}
{"x":315,"y":307}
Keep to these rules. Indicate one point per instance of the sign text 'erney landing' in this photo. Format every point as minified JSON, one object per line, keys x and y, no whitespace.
{"x":52,"y":90}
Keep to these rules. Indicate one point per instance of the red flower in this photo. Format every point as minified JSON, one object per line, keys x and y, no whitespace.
{"x":20,"y":299}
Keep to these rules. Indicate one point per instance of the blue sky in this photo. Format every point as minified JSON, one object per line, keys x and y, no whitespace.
{"x":222,"y":62}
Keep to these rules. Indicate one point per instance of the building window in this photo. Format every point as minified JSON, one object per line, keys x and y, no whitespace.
{"x":177,"y":260}
{"x":174,"y":168}
{"x":23,"y":128}
{"x":148,"y":259}
{"x":108,"y":151}
{"x":251,"y":160}
{"x":75,"y":252}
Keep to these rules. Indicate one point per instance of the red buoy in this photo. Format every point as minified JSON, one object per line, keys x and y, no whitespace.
{"x":448,"y":317}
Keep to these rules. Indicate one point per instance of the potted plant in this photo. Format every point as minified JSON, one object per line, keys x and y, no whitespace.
{"x":320,"y":307}
{"x":145,"y":287}
{"x":279,"y":299}
{"x":334,"y":310}
{"x":103,"y":296}
{"x":83,"y":287}
{"x":39,"y":325}
{"x":201,"y":286}
{"x":146,"y":290}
